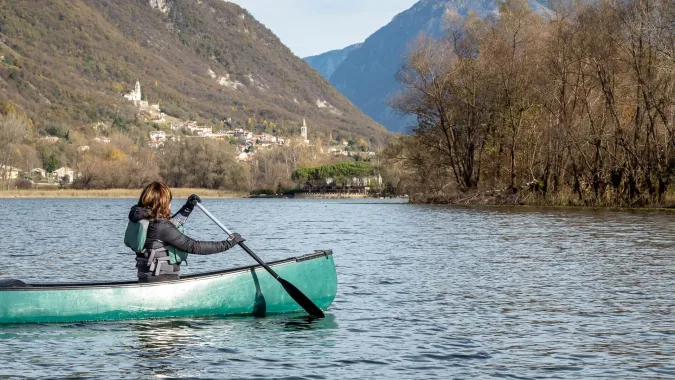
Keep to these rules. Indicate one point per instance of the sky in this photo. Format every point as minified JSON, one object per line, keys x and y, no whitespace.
{"x":311,"y":27}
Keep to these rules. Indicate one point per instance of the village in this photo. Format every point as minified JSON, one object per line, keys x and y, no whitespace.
{"x":247,"y":142}
{"x":169,"y":128}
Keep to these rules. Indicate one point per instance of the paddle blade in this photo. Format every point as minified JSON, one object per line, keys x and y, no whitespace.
{"x":302,"y":299}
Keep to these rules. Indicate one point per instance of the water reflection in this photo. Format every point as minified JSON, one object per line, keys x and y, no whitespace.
{"x":308,"y":322}
{"x":259,"y":303}
{"x":288,"y":322}
{"x":161,"y":345}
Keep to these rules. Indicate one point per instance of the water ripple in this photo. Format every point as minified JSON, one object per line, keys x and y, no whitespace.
{"x":429,"y":292}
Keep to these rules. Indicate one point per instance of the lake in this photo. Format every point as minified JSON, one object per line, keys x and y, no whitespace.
{"x":425,"y":292}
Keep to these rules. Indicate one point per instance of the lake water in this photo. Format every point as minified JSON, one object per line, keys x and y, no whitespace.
{"x":425,"y":292}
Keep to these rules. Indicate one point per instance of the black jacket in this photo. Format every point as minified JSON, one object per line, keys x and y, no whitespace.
{"x":163,"y":232}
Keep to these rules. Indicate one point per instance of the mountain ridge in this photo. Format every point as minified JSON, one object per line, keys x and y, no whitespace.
{"x":326,"y":63}
{"x":367,"y":74}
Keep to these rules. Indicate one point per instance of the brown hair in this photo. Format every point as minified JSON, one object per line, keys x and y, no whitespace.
{"x":157,"y":197}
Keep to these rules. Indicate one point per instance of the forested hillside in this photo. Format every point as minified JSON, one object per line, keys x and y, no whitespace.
{"x":66,"y":64}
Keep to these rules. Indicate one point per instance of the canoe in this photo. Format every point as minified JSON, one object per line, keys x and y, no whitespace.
{"x":240,"y":291}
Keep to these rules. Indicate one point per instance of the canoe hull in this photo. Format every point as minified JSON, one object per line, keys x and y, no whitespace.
{"x":241,"y":291}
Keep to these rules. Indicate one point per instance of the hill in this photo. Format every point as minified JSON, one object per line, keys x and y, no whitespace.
{"x":67,"y":63}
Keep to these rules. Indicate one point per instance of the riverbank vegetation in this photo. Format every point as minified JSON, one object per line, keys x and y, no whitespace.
{"x":578,"y":109}
{"x":123,"y":162}
{"x":55,"y":192}
{"x":342,"y":173}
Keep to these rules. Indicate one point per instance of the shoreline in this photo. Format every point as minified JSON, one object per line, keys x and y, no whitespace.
{"x":548,"y":207}
{"x":210,"y":193}
{"x":114,"y":193}
{"x":561,"y":201}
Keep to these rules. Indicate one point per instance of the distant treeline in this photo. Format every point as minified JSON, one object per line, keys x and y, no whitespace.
{"x":123,"y":162}
{"x":340,"y":172}
{"x":577,"y":108}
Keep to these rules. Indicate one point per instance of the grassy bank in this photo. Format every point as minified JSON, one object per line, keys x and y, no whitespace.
{"x":113,"y":193}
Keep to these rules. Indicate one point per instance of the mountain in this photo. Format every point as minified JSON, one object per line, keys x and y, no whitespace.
{"x":367,"y":76}
{"x":68,"y":62}
{"x":328,"y":62}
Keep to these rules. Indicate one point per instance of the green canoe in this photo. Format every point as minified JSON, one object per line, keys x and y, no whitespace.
{"x":240,"y":291}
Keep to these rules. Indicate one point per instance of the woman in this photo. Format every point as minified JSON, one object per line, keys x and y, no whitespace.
{"x":163,"y":234}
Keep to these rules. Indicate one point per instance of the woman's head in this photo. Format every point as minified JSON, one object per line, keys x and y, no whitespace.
{"x":156,"y":197}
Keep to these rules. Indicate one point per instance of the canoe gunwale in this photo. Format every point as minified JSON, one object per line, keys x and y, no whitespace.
{"x":199,"y":276}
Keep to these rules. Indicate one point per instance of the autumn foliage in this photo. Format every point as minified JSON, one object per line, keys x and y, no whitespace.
{"x":576,"y":108}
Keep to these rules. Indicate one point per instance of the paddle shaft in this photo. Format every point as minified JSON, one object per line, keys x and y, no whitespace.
{"x":241,"y":244}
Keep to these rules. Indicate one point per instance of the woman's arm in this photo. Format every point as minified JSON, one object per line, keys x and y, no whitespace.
{"x":169,"y":234}
{"x":184,"y":213}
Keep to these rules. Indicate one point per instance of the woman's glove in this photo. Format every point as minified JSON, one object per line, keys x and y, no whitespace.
{"x":193,"y":200}
{"x":235,"y":239}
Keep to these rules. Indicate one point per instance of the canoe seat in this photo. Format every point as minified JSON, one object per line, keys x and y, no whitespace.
{"x":11,"y":283}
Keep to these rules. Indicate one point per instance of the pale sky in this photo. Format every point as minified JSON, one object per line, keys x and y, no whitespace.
{"x":311,"y":27}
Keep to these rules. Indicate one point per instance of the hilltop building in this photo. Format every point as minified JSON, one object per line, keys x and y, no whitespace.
{"x":135,"y":95}
{"x":303,"y":131}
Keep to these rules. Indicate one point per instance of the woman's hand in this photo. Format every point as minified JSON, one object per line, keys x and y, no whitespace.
{"x":236,"y":239}
{"x":193,"y":200}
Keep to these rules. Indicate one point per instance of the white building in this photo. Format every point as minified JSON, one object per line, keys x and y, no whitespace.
{"x":50,"y":139}
{"x":104,"y":140}
{"x":158,"y":136}
{"x":303,"y":131}
{"x":135,"y":95}
{"x":64,"y":174}
{"x":9,"y":172}
{"x":244,"y":156}
{"x":38,"y":173}
{"x":196,"y":129}
{"x":202,"y":131}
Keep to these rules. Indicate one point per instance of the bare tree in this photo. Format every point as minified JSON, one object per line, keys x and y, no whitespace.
{"x":584,"y":101}
{"x":442,"y":89}
{"x":13,"y":129}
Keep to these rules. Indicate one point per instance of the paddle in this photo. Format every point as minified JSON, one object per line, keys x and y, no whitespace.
{"x":294,"y":292}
